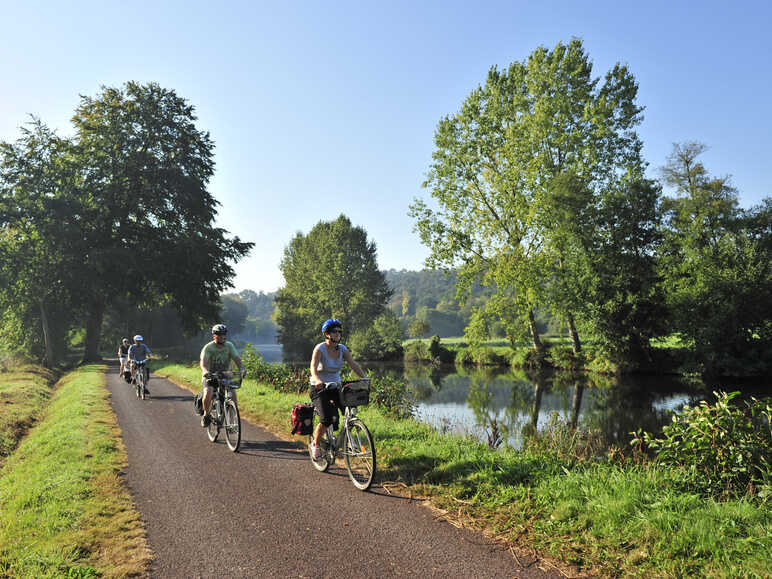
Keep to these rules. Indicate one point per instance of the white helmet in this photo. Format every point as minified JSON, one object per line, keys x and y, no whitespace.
{"x":138,"y":338}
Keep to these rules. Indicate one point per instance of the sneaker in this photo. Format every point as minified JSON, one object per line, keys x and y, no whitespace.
{"x":206,"y":420}
{"x":316,"y":451}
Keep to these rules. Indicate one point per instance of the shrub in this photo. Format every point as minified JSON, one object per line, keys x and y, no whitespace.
{"x":440,"y":353}
{"x":723,"y":448}
{"x":282,"y":377}
{"x":417,"y":351}
{"x":391,"y":395}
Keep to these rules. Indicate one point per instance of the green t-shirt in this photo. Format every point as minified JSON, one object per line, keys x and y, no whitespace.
{"x":219,"y":359}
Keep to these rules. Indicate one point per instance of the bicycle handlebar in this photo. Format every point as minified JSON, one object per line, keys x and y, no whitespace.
{"x":331,"y":385}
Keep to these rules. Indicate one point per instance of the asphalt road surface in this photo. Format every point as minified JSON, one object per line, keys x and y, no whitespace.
{"x":265,"y":511}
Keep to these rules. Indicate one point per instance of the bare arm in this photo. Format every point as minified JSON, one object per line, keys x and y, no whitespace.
{"x":314,"y":363}
{"x":202,"y":363}
{"x":353,"y":365}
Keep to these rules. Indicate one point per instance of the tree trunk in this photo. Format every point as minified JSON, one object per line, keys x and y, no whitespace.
{"x":576,"y":344}
{"x":48,"y":361}
{"x":577,"y":404}
{"x":94,"y":330}
{"x":537,"y":345}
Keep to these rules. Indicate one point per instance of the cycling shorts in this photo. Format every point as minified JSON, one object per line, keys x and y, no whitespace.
{"x":327,"y":404}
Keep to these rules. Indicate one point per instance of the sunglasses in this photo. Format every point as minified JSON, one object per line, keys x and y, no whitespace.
{"x":338,"y":331}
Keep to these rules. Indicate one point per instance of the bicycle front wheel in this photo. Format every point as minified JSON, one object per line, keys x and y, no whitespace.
{"x":232,"y":425}
{"x":213,"y":430}
{"x":141,"y":384}
{"x":359,"y":454}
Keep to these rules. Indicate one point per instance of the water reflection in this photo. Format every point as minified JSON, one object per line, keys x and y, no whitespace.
{"x":481,"y":402}
{"x":516,"y":403}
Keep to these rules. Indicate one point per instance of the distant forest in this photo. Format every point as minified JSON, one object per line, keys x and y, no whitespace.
{"x":424,"y":301}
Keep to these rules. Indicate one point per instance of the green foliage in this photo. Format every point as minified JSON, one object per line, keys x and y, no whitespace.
{"x":439,"y":352}
{"x":280,"y":376}
{"x":392,"y":396}
{"x":40,"y":247}
{"x":529,"y":177}
{"x":717,"y":267}
{"x":480,"y":356}
{"x":722,"y":449}
{"x":417,"y":351}
{"x":330,"y":273}
{"x":381,"y":341}
{"x":418,"y":328}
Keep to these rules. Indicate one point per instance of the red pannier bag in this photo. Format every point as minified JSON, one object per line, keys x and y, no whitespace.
{"x":302,"y":419}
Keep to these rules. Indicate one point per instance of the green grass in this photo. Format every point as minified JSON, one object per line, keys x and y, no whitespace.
{"x":629,"y":521}
{"x":23,"y":395}
{"x":63,"y":508}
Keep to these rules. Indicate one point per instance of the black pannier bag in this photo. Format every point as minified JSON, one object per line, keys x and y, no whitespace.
{"x":198,"y":404}
{"x":355,"y":394}
{"x":302,"y":419}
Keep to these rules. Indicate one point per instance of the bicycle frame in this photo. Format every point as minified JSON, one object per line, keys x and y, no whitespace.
{"x":224,"y":400}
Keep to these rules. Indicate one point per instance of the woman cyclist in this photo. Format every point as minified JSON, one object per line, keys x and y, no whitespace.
{"x":123,"y":354}
{"x":326,"y":363}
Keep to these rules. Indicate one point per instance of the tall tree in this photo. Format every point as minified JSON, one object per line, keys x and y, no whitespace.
{"x":147,"y":214}
{"x":539,"y":133}
{"x":331,"y":272}
{"x":40,"y":245}
{"x":717,"y":265}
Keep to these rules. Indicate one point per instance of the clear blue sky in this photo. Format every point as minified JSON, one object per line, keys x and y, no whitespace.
{"x":321,"y":108}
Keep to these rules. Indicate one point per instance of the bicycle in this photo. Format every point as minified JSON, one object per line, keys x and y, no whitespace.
{"x":354,"y":442}
{"x":141,"y":373}
{"x":225,"y":411}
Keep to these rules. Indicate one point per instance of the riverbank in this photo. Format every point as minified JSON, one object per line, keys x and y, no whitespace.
{"x":560,"y":497}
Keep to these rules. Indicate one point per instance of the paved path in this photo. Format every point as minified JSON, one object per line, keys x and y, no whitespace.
{"x":265,"y":512}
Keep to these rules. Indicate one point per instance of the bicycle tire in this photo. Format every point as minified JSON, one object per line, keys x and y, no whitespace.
{"x":141,"y":385}
{"x":232,"y":423}
{"x":360,"y":460}
{"x":327,"y":458}
{"x":213,"y":430}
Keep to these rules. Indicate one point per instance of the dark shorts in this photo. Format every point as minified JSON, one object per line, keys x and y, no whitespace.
{"x":327,"y":405}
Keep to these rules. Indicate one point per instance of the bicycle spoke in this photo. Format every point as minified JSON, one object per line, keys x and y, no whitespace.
{"x":359,"y":454}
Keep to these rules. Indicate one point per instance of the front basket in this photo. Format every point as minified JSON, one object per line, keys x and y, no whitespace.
{"x":355,"y":394}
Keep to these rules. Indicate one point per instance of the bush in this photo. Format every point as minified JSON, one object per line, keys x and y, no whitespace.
{"x":440,"y":353}
{"x":723,"y":448}
{"x":480,"y":356}
{"x":381,"y":341}
{"x":282,"y":377}
{"x":417,"y":351}
{"x":391,"y":395}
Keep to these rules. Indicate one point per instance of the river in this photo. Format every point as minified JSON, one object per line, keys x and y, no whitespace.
{"x":504,"y":404}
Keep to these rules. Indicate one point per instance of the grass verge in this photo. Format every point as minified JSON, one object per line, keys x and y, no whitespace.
{"x":23,"y":395}
{"x":598,"y":518}
{"x":64,"y":510}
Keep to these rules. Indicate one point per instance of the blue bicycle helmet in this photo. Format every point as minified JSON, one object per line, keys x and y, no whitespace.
{"x":331,"y":323}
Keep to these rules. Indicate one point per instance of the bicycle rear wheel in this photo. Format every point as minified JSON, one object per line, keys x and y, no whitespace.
{"x":213,"y":430}
{"x":323,"y":462}
{"x":359,"y":454}
{"x":232,"y":425}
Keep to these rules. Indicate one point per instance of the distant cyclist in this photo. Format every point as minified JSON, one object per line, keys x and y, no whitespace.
{"x":138,"y":352}
{"x":326,"y":363}
{"x":123,"y":354}
{"x":216,"y":356}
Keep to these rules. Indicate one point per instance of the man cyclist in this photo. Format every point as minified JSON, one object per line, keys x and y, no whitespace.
{"x":123,"y":354}
{"x":216,"y":356}
{"x":137,"y":353}
{"x":326,"y":363}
